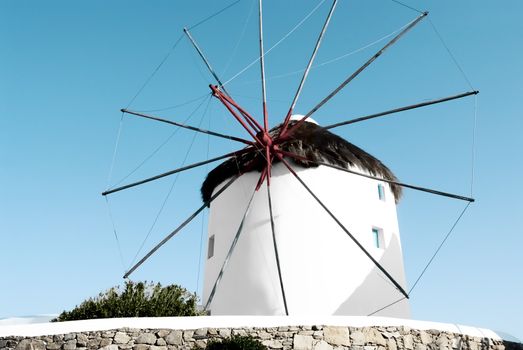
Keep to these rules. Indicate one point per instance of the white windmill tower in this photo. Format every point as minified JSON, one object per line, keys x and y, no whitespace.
{"x":302,"y":221}
{"x":313,"y":265}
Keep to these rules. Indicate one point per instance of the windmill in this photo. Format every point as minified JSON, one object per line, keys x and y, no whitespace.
{"x":296,"y":169}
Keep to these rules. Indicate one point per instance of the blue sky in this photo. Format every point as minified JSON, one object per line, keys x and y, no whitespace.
{"x":68,"y":67}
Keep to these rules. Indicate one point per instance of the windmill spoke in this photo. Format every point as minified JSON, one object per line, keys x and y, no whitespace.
{"x":182,"y":225}
{"x":309,"y":65}
{"x":357,"y":72}
{"x":193,"y":128}
{"x":276,"y":251}
{"x":207,"y":64}
{"x":187,"y":167}
{"x":401,"y":109}
{"x":417,"y":188}
{"x":378,"y":265}
{"x":227,"y":103}
{"x":229,"y":254}
{"x":262,"y":68}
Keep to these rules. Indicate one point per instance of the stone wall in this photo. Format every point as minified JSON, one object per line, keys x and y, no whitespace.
{"x":284,"y":338}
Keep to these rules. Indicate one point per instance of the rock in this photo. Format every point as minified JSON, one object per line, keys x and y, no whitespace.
{"x":187,"y":335}
{"x":358,"y":338}
{"x":201,"y":344}
{"x":473,"y":345}
{"x":69,"y":336}
{"x":408,"y":342}
{"x":70,"y":345}
{"x":273,"y":344}
{"x":336,"y":335}
{"x":425,"y":338}
{"x":105,"y":342}
{"x":370,"y":347}
{"x":224,"y":333}
{"x":318,"y":334}
{"x":110,"y":347}
{"x":456,"y":343}
{"x":306,"y":332}
{"x":161,"y":342}
{"x":302,"y":342}
{"x":108,"y":334}
{"x":322,"y":345}
{"x":30,"y":344}
{"x":162,"y":333}
{"x":391,"y":344}
{"x":53,"y":346}
{"x":121,"y":338}
{"x":58,"y":337}
{"x":154,"y":347}
{"x":420,"y":347}
{"x":264,"y":335}
{"x":200,"y":332}
{"x":239,"y":332}
{"x":146,"y":338}
{"x":81,"y":340}
{"x":317,"y":328}
{"x":141,"y":347}
{"x":373,"y":336}
{"x":174,"y":338}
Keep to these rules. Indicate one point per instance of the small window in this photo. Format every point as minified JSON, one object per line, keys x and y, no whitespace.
{"x":381,"y":192}
{"x":377,"y":237}
{"x":210,"y":247}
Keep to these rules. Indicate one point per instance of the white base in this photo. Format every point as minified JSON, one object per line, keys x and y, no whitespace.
{"x":38,"y":329}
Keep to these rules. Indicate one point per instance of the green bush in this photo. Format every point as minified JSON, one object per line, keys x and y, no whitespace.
{"x":137,"y":299}
{"x":236,"y":343}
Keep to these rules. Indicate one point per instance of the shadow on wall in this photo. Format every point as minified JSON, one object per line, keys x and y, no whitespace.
{"x":363,"y":303}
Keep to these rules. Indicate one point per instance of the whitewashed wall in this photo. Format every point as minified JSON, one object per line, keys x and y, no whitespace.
{"x":324,"y":272}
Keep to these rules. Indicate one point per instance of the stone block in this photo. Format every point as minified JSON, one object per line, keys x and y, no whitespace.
{"x":141,"y":347}
{"x":201,"y":332}
{"x":322,"y":345}
{"x":201,"y":344}
{"x":81,"y":340}
{"x":30,"y":344}
{"x":69,"y":336}
{"x":239,"y":332}
{"x":358,"y":338}
{"x":373,"y":336}
{"x":425,"y":338}
{"x":110,"y":347}
{"x":337,"y":335}
{"x":174,"y":338}
{"x":264,"y":335}
{"x":161,"y":342}
{"x":121,"y":338}
{"x":162,"y":333}
{"x":105,"y":342}
{"x":391,"y":344}
{"x":302,"y":342}
{"x":154,"y":347}
{"x":146,"y":338}
{"x":408,"y":342}
{"x":273,"y":344}
{"x":70,"y":345}
{"x":224,"y":332}
{"x":187,"y":335}
{"x":54,"y":345}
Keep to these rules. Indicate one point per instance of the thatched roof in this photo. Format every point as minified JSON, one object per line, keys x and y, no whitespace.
{"x":309,"y":141}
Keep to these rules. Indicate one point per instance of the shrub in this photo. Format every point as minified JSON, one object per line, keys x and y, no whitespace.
{"x":137,"y":299}
{"x":236,"y":343}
